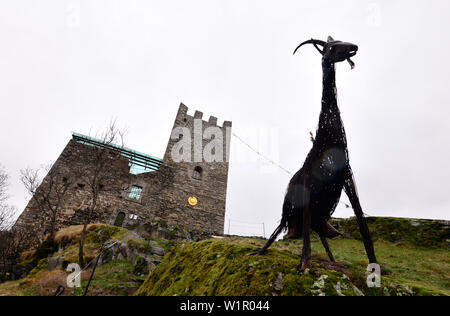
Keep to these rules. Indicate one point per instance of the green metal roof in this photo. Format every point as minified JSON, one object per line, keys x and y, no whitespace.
{"x":139,"y":162}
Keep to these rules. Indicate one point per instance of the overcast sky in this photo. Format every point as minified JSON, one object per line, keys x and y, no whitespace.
{"x":73,"y":65}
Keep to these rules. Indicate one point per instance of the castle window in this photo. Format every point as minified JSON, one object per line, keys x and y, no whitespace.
{"x":119,"y":219}
{"x":197,"y":174}
{"x":135,"y":192}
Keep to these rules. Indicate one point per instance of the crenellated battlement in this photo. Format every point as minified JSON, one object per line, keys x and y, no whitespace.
{"x":184,"y":118}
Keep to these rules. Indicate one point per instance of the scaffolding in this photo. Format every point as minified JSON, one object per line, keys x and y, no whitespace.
{"x":138,"y":162}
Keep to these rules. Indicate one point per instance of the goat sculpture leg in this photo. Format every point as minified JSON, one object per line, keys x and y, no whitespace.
{"x":350,"y":190}
{"x":324,"y":241}
{"x":305,"y":262}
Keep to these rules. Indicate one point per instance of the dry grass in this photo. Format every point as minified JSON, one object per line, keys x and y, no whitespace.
{"x":11,"y":288}
{"x":48,"y":281}
{"x":73,"y":232}
{"x":27,"y":255}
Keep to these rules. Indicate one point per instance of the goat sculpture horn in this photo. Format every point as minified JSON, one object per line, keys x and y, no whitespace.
{"x":314,"y":42}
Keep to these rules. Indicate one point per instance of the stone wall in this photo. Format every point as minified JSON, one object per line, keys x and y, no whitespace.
{"x":210,"y":190}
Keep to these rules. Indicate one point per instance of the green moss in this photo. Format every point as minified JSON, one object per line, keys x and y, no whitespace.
{"x":41,"y":266}
{"x":104,"y":233}
{"x":141,"y":266}
{"x":417,"y":232}
{"x":139,"y":244}
{"x":167,"y":245}
{"x":95,"y":237}
{"x":114,"y":277}
{"x":223,"y":267}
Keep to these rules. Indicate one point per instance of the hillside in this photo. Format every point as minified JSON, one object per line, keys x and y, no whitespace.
{"x":427,"y":233}
{"x":159,"y":259}
{"x":121,"y":270}
{"x":223,"y":267}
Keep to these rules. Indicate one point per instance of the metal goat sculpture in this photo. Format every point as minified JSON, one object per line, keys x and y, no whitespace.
{"x":315,"y":189}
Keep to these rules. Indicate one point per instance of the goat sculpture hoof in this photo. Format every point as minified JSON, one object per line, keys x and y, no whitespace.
{"x":303,"y":266}
{"x":257,"y":253}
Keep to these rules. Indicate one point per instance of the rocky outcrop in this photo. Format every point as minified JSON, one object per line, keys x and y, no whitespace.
{"x":223,"y":267}
{"x":418,"y":232}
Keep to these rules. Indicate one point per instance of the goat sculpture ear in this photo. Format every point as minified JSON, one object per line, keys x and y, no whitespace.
{"x":330,"y":39}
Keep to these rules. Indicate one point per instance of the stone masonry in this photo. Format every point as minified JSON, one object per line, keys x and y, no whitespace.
{"x":189,"y":194}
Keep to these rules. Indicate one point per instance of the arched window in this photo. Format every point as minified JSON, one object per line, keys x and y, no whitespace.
{"x":119,"y":219}
{"x":197,"y":174}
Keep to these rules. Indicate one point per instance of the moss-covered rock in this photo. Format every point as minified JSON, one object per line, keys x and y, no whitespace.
{"x":411,"y":252}
{"x":223,"y":267}
{"x":417,"y":232}
{"x":120,"y":271}
{"x":138,"y":244}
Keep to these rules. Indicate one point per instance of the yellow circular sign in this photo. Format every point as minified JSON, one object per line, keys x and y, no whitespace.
{"x":192,"y":200}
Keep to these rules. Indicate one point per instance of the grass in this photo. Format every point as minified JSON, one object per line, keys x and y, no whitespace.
{"x":222,"y":267}
{"x":112,"y":278}
{"x":416,"y":232}
{"x":422,"y":267}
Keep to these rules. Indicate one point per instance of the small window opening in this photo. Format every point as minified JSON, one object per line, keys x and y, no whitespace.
{"x":135,"y":192}
{"x":197,"y":174}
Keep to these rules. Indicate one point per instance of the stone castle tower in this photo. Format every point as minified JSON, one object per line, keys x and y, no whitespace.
{"x":191,"y":193}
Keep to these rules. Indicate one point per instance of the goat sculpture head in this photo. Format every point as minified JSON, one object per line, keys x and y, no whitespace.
{"x":333,"y":51}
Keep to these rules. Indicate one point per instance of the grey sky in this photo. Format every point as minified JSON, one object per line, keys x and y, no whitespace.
{"x":73,"y":65}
